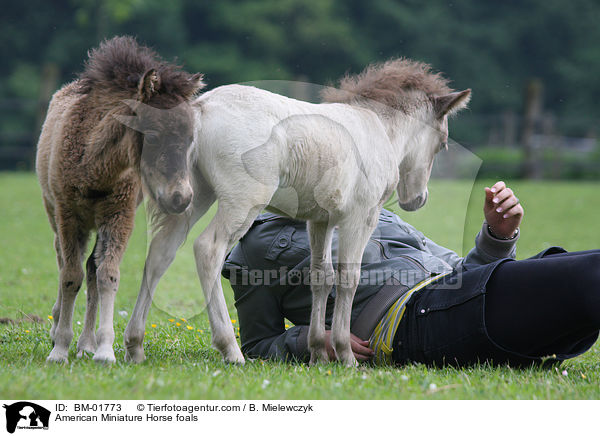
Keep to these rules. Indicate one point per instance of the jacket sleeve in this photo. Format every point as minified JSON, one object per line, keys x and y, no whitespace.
{"x":487,"y":249}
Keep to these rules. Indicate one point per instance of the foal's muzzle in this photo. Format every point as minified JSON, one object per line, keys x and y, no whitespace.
{"x":417,"y":203}
{"x":177,"y":200}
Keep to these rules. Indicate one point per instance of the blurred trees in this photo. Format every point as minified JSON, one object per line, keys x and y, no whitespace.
{"x":496,"y":48}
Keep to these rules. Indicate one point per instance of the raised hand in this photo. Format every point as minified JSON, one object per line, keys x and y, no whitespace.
{"x":502,"y":209}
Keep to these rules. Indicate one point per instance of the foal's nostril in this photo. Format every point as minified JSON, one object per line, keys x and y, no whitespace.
{"x":177,"y":200}
{"x":180,"y":201}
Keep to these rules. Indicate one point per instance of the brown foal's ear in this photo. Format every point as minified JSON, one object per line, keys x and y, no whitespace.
{"x":451,"y":103}
{"x":148,"y":85}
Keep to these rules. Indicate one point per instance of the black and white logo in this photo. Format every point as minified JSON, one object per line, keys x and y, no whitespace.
{"x":26,"y":415}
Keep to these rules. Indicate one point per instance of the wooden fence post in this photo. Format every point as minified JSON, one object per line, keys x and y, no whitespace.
{"x":509,"y":121}
{"x":533,"y":112}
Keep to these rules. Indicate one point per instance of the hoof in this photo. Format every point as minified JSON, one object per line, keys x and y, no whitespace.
{"x":84,"y":354}
{"x":239,"y":361}
{"x":86,"y":349}
{"x":57,"y":356}
{"x":350,"y":363}
{"x":233,"y":354}
{"x":347,"y":359}
{"x":106,"y":356}
{"x":318,"y":358}
{"x":135,"y":355}
{"x":235,"y":358}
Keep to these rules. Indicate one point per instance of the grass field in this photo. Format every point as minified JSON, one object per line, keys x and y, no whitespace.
{"x":181,"y":363}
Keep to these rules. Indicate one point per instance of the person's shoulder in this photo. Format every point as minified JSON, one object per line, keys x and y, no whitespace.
{"x":391,"y":224}
{"x":388,"y":216}
{"x":267,"y":222}
{"x":269,"y":233}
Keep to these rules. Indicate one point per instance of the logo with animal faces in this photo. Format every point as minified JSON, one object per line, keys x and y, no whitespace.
{"x":24,"y":415}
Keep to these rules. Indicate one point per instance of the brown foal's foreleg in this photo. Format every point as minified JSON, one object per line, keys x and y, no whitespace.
{"x":56,"y":307}
{"x":87,"y":341}
{"x":72,"y":243}
{"x":114,"y":229}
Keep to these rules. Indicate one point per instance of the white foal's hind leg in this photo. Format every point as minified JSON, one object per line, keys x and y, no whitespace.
{"x":87,"y":341}
{"x":352,"y":242}
{"x":163,"y":249}
{"x":321,"y":282}
{"x":210,"y":248}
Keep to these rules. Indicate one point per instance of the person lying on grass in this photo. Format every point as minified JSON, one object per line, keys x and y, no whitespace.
{"x":420,"y":302}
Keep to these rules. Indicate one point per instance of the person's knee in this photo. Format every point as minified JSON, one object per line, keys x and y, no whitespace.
{"x":588,"y":270}
{"x":586,"y":282}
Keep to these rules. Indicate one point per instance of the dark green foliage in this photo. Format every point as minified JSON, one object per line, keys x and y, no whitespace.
{"x":495,"y":48}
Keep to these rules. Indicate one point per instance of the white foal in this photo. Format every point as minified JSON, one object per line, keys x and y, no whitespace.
{"x":332,"y":164}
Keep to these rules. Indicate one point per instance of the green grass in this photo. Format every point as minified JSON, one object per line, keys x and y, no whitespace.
{"x":181,"y":363}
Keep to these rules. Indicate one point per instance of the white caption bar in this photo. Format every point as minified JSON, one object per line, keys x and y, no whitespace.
{"x":158,"y":417}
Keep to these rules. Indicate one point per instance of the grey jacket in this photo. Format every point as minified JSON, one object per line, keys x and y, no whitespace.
{"x":268,"y":271}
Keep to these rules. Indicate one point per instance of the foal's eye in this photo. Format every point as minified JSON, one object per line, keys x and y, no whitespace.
{"x":151,"y":139}
{"x":444,"y":146}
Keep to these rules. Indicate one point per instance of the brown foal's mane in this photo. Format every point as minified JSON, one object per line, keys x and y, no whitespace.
{"x":118,"y":64}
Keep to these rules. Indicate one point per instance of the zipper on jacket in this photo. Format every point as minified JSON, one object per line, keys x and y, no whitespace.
{"x":258,"y":222}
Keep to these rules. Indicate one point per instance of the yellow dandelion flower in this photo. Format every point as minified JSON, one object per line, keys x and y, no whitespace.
{"x":171,"y":320}
{"x":583,"y":375}
{"x":201,"y":331}
{"x":189,"y":327}
{"x":153,"y":326}
{"x":198,"y":330}
{"x":177,"y":324}
{"x":26,"y":331}
{"x":287,"y":326}
{"x":50,"y":317}
{"x":145,"y":333}
{"x":328,"y":372}
{"x":233,"y":321}
{"x":183,"y":319}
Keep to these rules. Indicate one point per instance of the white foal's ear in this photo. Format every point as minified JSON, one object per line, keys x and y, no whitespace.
{"x":130,"y":121}
{"x":451,"y":103}
{"x":148,"y":85}
{"x":193,"y":86}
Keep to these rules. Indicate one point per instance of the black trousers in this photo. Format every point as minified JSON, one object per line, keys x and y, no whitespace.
{"x":542,"y":309}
